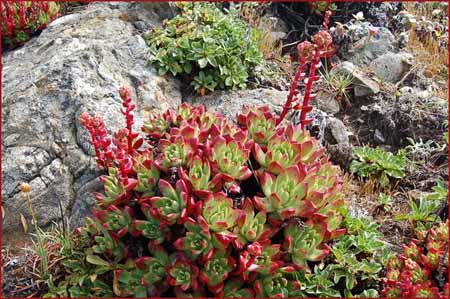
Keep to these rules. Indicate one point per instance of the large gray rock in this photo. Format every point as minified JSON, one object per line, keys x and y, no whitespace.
{"x":229,"y":103}
{"x":392,"y":67}
{"x":369,"y":47}
{"x":341,"y":154}
{"x":326,"y":101}
{"x":77,"y":64}
{"x":338,"y":131}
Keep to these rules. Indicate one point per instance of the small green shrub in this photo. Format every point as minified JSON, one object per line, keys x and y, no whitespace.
{"x":385,"y":202}
{"x":378,"y":164}
{"x":216,"y":49}
{"x":353,"y":267}
{"x":423,"y":212}
{"x":338,"y":84}
{"x":21,"y":19}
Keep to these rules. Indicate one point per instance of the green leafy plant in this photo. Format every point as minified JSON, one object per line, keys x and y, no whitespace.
{"x":423,"y":211}
{"x":22,"y":19}
{"x":385,"y":202}
{"x":351,"y":269}
{"x":419,"y":151}
{"x":378,"y":164}
{"x":440,"y":192}
{"x":215,"y":49}
{"x":357,"y":258}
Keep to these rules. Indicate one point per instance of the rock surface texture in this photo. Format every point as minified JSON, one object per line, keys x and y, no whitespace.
{"x":70,"y":68}
{"x":229,"y":103}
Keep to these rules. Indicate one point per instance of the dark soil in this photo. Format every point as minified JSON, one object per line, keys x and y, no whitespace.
{"x":17,"y":276}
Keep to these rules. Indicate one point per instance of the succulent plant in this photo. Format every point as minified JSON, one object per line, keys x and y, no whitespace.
{"x":250,"y":226}
{"x":215,"y":49}
{"x":229,"y":158}
{"x":150,"y":227}
{"x":154,"y":267}
{"x":234,"y":289}
{"x":216,"y":270}
{"x":259,"y":257}
{"x":182,"y":273}
{"x":22,"y":19}
{"x":173,"y":205}
{"x":281,"y":154}
{"x":259,"y":122}
{"x":157,"y":125}
{"x":198,"y":240}
{"x":305,"y":244}
{"x":128,"y":282}
{"x":116,"y":190}
{"x":199,"y":177}
{"x":278,"y":284}
{"x":191,"y":179}
{"x":147,"y":175}
{"x":205,"y":207}
{"x":117,"y":221}
{"x":219,"y":213}
{"x":284,"y":193}
{"x":415,"y":272}
{"x":175,"y":152}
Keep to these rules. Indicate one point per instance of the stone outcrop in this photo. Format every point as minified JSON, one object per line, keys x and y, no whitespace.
{"x":77,"y":64}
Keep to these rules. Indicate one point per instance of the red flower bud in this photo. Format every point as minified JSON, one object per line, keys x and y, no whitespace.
{"x":305,"y":50}
{"x":323,"y":40}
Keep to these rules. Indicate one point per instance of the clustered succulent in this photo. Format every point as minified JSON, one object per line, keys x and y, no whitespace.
{"x":212,"y":48}
{"x":217,"y":208}
{"x":20,"y":19}
{"x":421,"y":270}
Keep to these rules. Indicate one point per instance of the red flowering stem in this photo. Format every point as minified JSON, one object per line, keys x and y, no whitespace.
{"x":293,"y":91}
{"x":315,"y":62}
{"x":44,"y":6}
{"x":326,"y":20}
{"x":9,"y":22}
{"x":96,"y":127}
{"x":23,"y":21}
{"x":128,"y":106}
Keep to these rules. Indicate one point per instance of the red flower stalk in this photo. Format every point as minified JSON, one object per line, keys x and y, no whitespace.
{"x":44,"y":6}
{"x":125,"y":94}
{"x":292,"y":96}
{"x":96,"y":127}
{"x":9,"y":20}
{"x":315,"y":64}
{"x":308,"y":52}
{"x":23,"y":21}
{"x":326,"y":20}
{"x":20,"y":19}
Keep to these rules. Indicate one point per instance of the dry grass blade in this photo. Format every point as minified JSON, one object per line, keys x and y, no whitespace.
{"x":24,"y":222}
